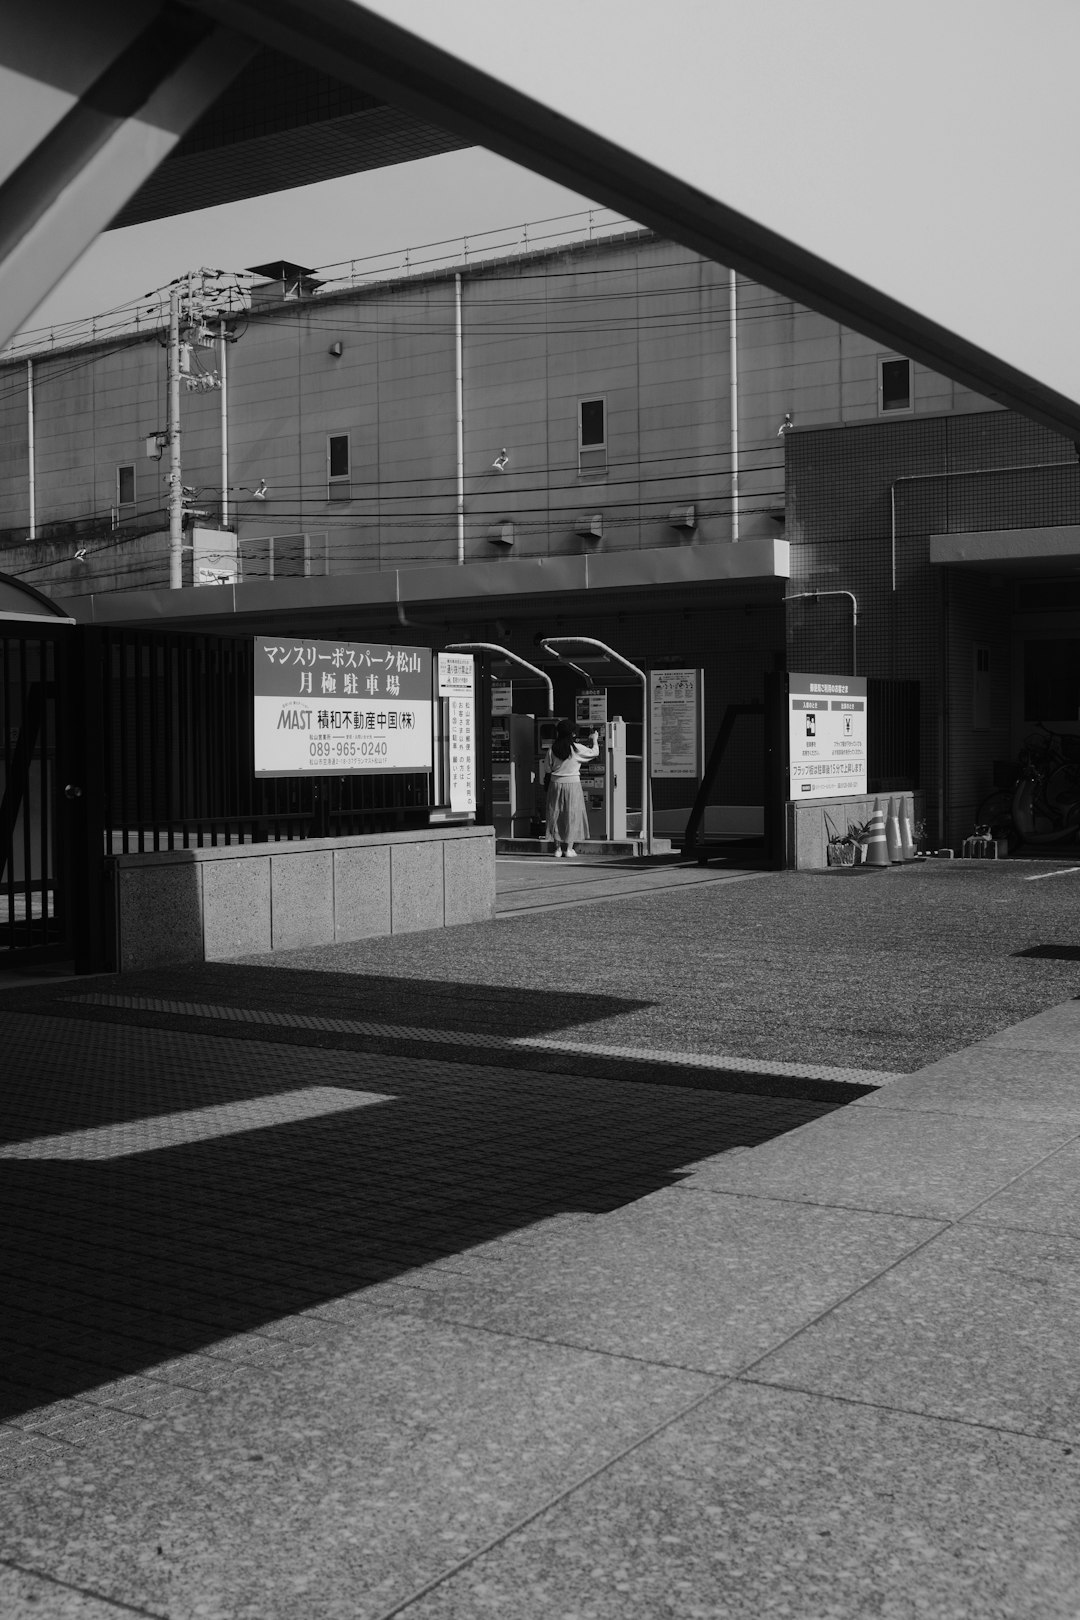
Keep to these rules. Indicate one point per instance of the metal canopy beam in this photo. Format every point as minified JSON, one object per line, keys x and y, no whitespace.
{"x":99,"y":151}
{"x":340,"y":37}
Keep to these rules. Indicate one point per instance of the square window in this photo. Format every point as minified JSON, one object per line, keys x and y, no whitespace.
{"x":894,"y":385}
{"x":125,"y":485}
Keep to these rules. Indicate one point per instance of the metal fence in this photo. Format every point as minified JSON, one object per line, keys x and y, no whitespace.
{"x":178,"y":756}
{"x":893,"y":736}
{"x":31,"y":918}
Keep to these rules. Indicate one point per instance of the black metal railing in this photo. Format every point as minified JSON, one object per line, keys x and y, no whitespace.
{"x":893,"y":760}
{"x":31,"y":909}
{"x":178,"y":761}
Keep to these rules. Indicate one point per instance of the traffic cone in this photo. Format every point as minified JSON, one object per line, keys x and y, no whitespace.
{"x":892,"y":835}
{"x":907,"y":842}
{"x":876,"y":845}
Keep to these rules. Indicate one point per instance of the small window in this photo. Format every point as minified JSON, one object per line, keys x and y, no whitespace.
{"x":338,"y":470}
{"x":125,"y":486}
{"x":894,"y":385}
{"x":592,"y":436}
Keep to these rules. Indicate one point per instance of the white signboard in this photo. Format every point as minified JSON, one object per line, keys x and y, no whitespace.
{"x":327,"y":707}
{"x":826,"y":736}
{"x":213,"y":557}
{"x":675,"y":722}
{"x":459,"y":726}
{"x":457,"y":674}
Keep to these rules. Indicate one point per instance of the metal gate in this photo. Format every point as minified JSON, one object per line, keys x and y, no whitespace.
{"x":35,"y":863}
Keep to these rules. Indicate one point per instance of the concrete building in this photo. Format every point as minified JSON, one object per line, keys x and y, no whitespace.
{"x":571,"y":442}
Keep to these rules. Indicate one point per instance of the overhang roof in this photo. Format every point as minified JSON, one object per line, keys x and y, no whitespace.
{"x":571,"y":579}
{"x":1053,"y":551}
{"x":281,"y":123}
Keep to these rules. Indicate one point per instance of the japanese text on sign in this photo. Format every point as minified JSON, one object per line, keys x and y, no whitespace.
{"x":675,"y":722}
{"x":826,"y":736}
{"x":327,"y":707}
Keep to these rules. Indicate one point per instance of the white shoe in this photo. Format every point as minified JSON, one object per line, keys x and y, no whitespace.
{"x":572,"y":854}
{"x":558,"y":854}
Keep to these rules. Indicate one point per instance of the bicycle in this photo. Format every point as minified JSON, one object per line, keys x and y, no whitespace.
{"x":1042,"y":806}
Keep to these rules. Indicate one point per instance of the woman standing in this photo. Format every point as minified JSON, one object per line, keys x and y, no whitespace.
{"x":567,"y":820}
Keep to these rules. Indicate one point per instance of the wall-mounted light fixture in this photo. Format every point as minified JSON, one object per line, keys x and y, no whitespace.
{"x":502,"y":460}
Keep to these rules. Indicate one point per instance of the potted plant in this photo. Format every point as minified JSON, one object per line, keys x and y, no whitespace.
{"x":844,"y":848}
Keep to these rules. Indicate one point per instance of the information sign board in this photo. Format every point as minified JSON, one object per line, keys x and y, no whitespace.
{"x":502,"y":697}
{"x":456,"y":684}
{"x":455,"y":673}
{"x":590,"y":709}
{"x":675,"y":697}
{"x":330,"y":707}
{"x":826,"y":736}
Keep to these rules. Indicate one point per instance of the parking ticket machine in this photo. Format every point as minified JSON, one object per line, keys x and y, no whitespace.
{"x":603,"y":780}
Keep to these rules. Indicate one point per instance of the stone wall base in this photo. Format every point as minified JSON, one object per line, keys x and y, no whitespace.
{"x":808,"y":837}
{"x":210,"y":905}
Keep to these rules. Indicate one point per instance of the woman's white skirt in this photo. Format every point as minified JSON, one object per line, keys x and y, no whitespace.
{"x":567,"y":821}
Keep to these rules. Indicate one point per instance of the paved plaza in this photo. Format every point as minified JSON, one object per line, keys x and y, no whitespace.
{"x":686,"y":1242}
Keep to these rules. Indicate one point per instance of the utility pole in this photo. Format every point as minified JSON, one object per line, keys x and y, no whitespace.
{"x":175,"y":475}
{"x":224,"y":374}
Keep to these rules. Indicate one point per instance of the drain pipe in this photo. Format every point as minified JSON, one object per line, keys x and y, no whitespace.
{"x":812,"y":596}
{"x":459,"y":379}
{"x":733,"y":398}
{"x":30,"y":468}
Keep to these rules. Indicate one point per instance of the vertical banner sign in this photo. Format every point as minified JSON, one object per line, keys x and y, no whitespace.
{"x":328,"y":707}
{"x":826,"y":735}
{"x":456,"y":683}
{"x":675,"y":716}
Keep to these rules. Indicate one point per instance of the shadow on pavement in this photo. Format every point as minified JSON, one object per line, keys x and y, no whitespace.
{"x":114,"y":1265}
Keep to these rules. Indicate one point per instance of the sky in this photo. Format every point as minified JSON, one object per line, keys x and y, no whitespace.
{"x":927,"y":148}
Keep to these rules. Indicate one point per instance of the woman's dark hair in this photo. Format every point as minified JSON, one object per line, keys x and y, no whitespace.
{"x":564,"y":740}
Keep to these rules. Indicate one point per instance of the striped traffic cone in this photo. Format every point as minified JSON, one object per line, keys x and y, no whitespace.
{"x":876,"y":845}
{"x":907,"y":842}
{"x":892,"y":835}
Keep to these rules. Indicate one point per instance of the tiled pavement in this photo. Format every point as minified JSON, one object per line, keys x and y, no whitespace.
{"x":324,"y":1317}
